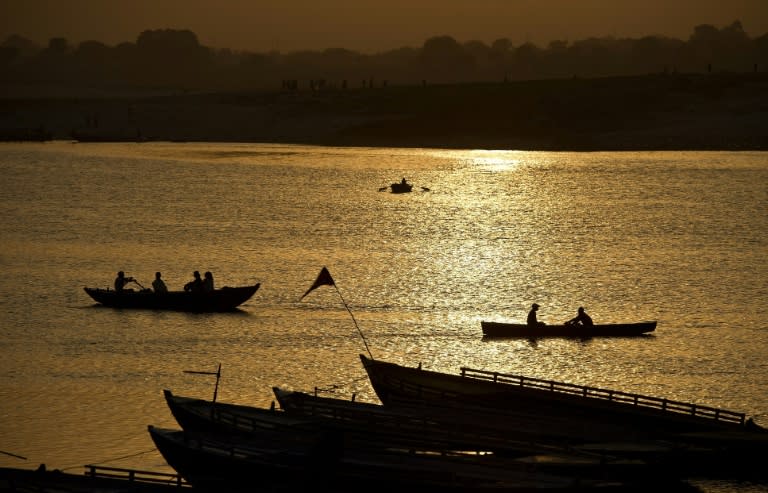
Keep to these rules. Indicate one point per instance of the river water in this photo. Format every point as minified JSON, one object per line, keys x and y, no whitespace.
{"x":677,"y":237}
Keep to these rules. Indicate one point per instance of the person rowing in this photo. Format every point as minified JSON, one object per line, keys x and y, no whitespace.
{"x":121,"y":280}
{"x":581,"y":318}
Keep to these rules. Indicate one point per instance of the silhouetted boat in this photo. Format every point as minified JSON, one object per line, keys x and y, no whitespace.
{"x":385,"y":426}
{"x":401,"y":187}
{"x":502,"y":431}
{"x":294,"y":461}
{"x":577,"y":403}
{"x":569,"y":442}
{"x":219,"y":300}
{"x":503,"y":329}
{"x":194,"y":414}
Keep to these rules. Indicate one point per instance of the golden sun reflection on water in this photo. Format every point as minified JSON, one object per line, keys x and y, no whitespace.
{"x":677,"y":237}
{"x":489,"y":160}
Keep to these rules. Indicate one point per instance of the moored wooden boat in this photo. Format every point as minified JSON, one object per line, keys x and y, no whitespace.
{"x":219,"y":300}
{"x":367,"y":423}
{"x":594,"y":448}
{"x":504,"y":329}
{"x":221,"y":462}
{"x":683,"y":437}
{"x":407,"y":425}
{"x":580,"y":404}
{"x":195,"y":414}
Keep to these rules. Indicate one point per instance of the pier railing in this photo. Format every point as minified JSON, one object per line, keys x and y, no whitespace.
{"x":643,"y":401}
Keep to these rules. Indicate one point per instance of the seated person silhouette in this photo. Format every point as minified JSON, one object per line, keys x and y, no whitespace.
{"x":158,"y":284}
{"x":532,"y":320}
{"x":196,"y":284}
{"x":581,"y":319}
{"x":121,"y":280}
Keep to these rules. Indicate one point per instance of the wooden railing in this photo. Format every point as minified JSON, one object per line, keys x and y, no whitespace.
{"x":660,"y":404}
{"x":135,"y":475}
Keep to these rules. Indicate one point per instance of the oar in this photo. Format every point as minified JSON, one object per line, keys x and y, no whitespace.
{"x":382,"y":189}
{"x":139,"y":284}
{"x":13,"y":455}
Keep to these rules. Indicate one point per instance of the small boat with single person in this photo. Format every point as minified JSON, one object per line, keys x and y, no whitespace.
{"x":218,"y":300}
{"x":506,"y":329}
{"x":401,"y":187}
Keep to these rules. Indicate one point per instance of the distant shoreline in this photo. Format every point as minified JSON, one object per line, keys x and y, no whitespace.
{"x":654,"y":112}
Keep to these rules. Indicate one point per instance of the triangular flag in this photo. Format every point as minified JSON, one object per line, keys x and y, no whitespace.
{"x":323,"y":278}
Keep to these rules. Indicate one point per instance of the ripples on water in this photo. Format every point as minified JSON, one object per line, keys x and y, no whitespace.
{"x":671,"y":236}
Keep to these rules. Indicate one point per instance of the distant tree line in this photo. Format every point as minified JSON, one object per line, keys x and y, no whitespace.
{"x":174,"y":59}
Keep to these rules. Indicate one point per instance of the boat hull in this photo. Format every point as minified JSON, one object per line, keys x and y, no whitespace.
{"x":503,"y":329}
{"x":313,"y":426}
{"x":359,"y":422}
{"x":220,"y":300}
{"x":217,"y":462}
{"x":580,"y":405}
{"x":401,"y":188}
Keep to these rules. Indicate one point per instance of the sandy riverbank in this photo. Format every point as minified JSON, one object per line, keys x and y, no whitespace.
{"x":655,"y":112}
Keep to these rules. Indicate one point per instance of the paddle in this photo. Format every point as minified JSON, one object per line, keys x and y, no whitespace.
{"x":138,"y":283}
{"x":13,"y":455}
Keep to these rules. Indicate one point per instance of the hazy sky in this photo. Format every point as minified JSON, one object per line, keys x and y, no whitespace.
{"x":370,"y":25}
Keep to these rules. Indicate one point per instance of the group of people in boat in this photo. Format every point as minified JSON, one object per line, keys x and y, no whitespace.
{"x":200,"y":285}
{"x":580,"y":319}
{"x":197,"y":284}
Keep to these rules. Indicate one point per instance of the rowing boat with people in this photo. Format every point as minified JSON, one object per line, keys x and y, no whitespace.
{"x":505,"y":329}
{"x":218,"y":300}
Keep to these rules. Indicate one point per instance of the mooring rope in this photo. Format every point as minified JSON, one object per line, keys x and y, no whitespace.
{"x":106,"y":461}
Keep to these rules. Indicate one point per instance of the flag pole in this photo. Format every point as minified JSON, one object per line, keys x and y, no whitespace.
{"x":325,"y":278}
{"x":355,"y":321}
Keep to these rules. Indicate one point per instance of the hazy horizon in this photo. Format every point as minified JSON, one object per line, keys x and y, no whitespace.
{"x":370,"y":26}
